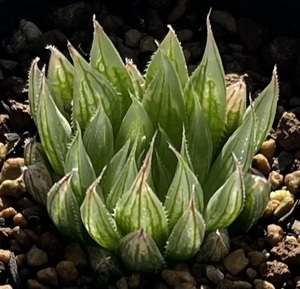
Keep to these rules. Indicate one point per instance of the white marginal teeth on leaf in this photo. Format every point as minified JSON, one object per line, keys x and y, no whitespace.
{"x":140,"y":253}
{"x":188,"y":233}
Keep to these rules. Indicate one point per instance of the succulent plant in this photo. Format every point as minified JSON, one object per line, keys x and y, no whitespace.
{"x":145,"y":165}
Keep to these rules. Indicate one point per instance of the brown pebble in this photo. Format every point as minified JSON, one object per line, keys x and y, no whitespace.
{"x":263,"y":284}
{"x":256,"y":258}
{"x":21,"y":236}
{"x":175,"y":278}
{"x":268,"y":148}
{"x":5,"y":287}
{"x":66,"y":271}
{"x":51,"y":244}
{"x":292,"y":181}
{"x":134,"y":280}
{"x":251,"y":273}
{"x":48,"y":276}
{"x":285,"y":205}
{"x":271,"y":207}
{"x":36,"y":257}
{"x":12,"y":169}
{"x":5,"y":256}
{"x":274,"y":234}
{"x":20,"y":259}
{"x":185,"y":285}
{"x":261,"y":163}
{"x":35,"y":284}
{"x":276,"y":180}
{"x":122,"y":283}
{"x":13,"y":188}
{"x":5,"y":203}
{"x":74,"y":253}
{"x":8,"y":212}
{"x":20,"y":220}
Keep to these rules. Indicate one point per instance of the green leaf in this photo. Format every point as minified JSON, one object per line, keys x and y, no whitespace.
{"x":60,"y":76}
{"x":162,"y":178}
{"x":38,"y":181}
{"x":208,"y":83}
{"x":136,"y":78}
{"x":123,"y":181}
{"x":91,"y":91}
{"x":226,"y":203}
{"x":236,"y":106}
{"x":34,"y":81}
{"x":136,"y":125}
{"x":139,"y":207}
{"x":98,"y":221}
{"x":63,"y":209}
{"x":265,"y":109}
{"x":247,"y":139}
{"x":106,"y":59}
{"x":54,"y":130}
{"x":163,"y":101}
{"x":257,"y":193}
{"x":184,"y":185}
{"x":98,"y":140}
{"x":199,"y":140}
{"x":140,"y":253}
{"x":78,"y":158}
{"x":188,"y":234}
{"x":170,"y":47}
{"x":114,"y":169}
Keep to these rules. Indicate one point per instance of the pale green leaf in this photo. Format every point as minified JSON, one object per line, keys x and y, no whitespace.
{"x":115,"y":168}
{"x":163,"y":101}
{"x":54,"y":130}
{"x":139,"y":207}
{"x":63,"y":209}
{"x":98,"y":140}
{"x":60,"y":77}
{"x":188,"y":234}
{"x":226,"y":203}
{"x":199,"y":140}
{"x":140,"y":253}
{"x":136,"y":125}
{"x":97,"y":220}
{"x":123,"y":181}
{"x":108,"y":62}
{"x":257,"y":193}
{"x":137,"y":79}
{"x":91,"y":91}
{"x":184,"y":185}
{"x":34,"y":81}
{"x":208,"y":83}
{"x":247,"y":139}
{"x":77,"y":158}
{"x":170,"y":47}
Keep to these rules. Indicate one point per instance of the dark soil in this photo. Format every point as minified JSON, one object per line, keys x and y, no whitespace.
{"x":252,"y":38}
